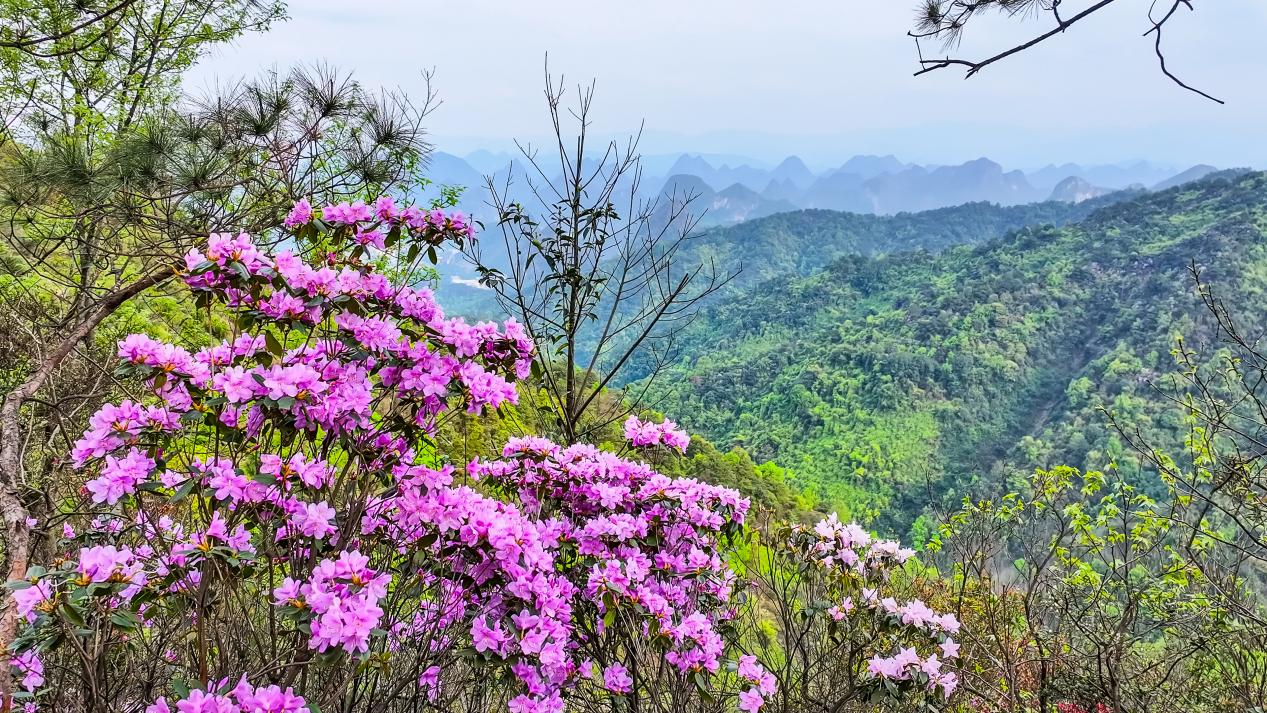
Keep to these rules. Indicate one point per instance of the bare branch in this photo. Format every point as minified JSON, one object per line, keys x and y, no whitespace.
{"x":596,"y":285}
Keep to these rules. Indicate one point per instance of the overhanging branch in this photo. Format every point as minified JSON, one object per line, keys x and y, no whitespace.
{"x":948,"y":24}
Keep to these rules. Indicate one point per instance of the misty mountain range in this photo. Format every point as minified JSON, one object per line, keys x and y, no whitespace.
{"x":730,"y":189}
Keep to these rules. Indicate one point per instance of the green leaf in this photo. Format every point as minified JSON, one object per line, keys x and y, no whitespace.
{"x":125,"y":619}
{"x":184,"y":490}
{"x":702,"y":685}
{"x":271,"y":344}
{"x":73,"y":615}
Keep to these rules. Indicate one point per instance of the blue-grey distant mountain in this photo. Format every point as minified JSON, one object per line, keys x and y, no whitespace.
{"x":688,"y":165}
{"x":872,"y":166}
{"x":739,"y":202}
{"x":1139,"y":172}
{"x":745,"y":175}
{"x":865,"y":184}
{"x":917,"y":188}
{"x":662,"y":164}
{"x":838,"y":191}
{"x":1048,"y":177}
{"x":733,"y":204}
{"x":719,"y":177}
{"x":1195,"y":173}
{"x":447,"y":169}
{"x":784,"y":190}
{"x":1106,"y":176}
{"x":1076,"y":190}
{"x":685,"y":184}
{"x":735,"y":188}
{"x":491,"y":162}
{"x":793,"y":169}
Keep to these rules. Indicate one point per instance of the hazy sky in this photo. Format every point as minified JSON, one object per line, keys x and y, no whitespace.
{"x":824,"y":79}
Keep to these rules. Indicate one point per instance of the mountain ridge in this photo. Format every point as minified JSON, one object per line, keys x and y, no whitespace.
{"x":882,"y":185}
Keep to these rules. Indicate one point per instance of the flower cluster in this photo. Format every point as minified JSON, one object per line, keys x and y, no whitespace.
{"x":242,"y":698}
{"x":644,"y":434}
{"x":342,"y":597}
{"x":521,"y":609}
{"x":108,"y":564}
{"x":294,"y":442}
{"x":762,"y":684}
{"x":405,"y":342}
{"x":28,"y":665}
{"x":647,"y":548}
{"x":116,"y":425}
{"x":120,"y":476}
{"x":857,"y":567}
{"x":370,"y":223}
{"x":907,"y":665}
{"x":616,"y":679}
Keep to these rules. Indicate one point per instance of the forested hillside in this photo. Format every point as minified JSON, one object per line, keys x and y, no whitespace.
{"x":802,"y":242}
{"x":886,"y":383}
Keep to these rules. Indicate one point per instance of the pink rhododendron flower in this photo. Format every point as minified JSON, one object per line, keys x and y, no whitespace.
{"x":347,"y":213}
{"x":29,"y":598}
{"x":120,"y":476}
{"x":316,"y":520}
{"x":616,"y":679}
{"x":31,"y":668}
{"x":642,"y":434}
{"x":300,"y":215}
{"x":750,"y":700}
